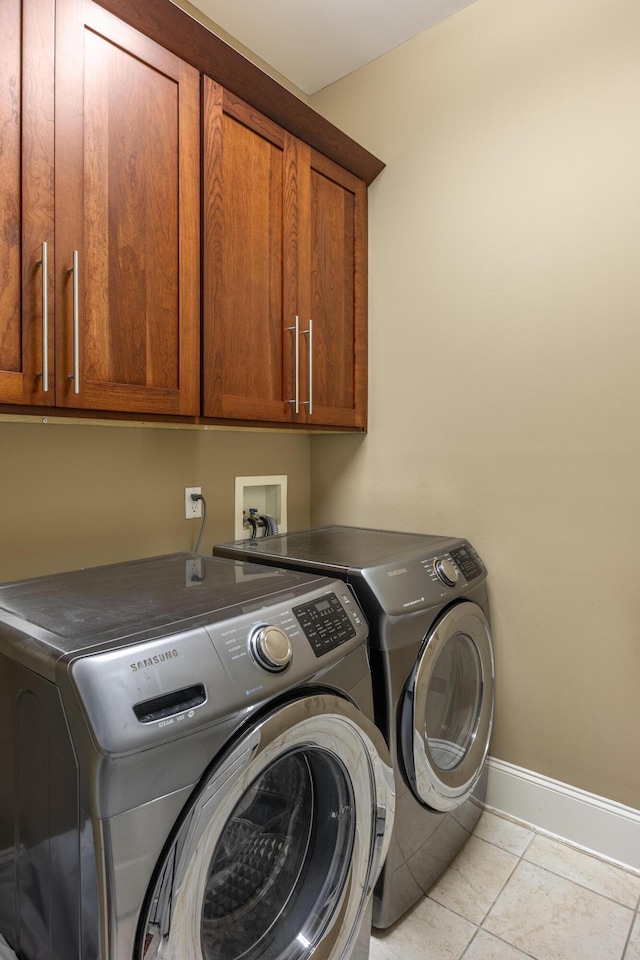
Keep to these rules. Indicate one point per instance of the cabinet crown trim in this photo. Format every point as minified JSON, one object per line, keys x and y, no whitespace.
{"x":176,"y":30}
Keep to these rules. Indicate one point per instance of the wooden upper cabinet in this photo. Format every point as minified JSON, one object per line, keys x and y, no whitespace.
{"x":122,"y":331}
{"x":332,"y":292}
{"x":247,"y":362}
{"x":284,"y":274}
{"x":127,"y":218}
{"x":109,"y":318}
{"x":26,"y":201}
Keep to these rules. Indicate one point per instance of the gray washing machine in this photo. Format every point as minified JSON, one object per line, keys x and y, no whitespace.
{"x":190,"y":765}
{"x":426,"y":601}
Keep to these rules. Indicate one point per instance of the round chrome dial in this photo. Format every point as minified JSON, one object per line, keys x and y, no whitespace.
{"x":270,"y":647}
{"x":446,"y":572}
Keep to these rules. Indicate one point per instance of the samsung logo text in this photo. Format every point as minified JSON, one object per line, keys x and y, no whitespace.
{"x":153,"y":661}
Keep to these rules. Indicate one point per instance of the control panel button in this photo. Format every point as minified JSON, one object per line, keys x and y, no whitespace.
{"x":270,"y":648}
{"x":446,"y":572}
{"x":325,"y":623}
{"x":467,"y":562}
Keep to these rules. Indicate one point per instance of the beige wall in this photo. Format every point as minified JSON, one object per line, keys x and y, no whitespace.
{"x":75,"y":495}
{"x":505,"y":345}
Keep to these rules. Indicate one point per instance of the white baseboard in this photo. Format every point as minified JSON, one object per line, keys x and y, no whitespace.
{"x":603,"y":827}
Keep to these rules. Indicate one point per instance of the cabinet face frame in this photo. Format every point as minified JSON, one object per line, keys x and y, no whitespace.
{"x":26,"y":200}
{"x":128,"y":334}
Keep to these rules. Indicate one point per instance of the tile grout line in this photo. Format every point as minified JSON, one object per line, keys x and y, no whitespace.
{"x":621,"y":868}
{"x":519,"y":858}
{"x":570,"y":844}
{"x":634,"y":920}
{"x":530,"y":828}
{"x":582,"y":885}
{"x":480,"y":926}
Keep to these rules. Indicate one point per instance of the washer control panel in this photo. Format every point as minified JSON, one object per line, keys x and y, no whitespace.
{"x":159,"y":688}
{"x":325,"y":623}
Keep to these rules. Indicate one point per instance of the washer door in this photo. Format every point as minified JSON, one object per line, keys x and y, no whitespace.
{"x":279,"y":850}
{"x":447,"y":710}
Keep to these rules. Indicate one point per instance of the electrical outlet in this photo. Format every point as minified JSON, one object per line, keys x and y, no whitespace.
{"x":193,"y":571}
{"x":192,"y":508}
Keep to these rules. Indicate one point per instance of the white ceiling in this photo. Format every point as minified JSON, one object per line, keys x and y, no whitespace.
{"x":315,"y":42}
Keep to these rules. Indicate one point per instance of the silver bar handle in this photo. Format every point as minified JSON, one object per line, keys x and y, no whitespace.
{"x":309,"y":402}
{"x":296,"y":329}
{"x":44,"y":261}
{"x":75,"y":376}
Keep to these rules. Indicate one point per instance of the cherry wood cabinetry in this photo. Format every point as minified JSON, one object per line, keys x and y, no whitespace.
{"x":26,"y":200}
{"x":247,"y":354}
{"x":103,"y":130}
{"x":284,"y":274}
{"x":332,"y":292}
{"x":123,"y":331}
{"x":175,"y":29}
{"x":127,"y":200}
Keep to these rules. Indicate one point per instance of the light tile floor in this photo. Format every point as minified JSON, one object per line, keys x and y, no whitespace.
{"x":514,"y":894}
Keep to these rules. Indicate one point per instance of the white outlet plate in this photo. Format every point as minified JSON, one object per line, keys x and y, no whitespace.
{"x":192,"y":508}
{"x":193,"y":571}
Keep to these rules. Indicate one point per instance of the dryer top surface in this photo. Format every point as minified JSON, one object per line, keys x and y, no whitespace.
{"x":400,"y":570}
{"x":340,"y":548}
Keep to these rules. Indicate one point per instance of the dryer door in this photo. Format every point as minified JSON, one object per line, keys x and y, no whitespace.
{"x":447,"y":709}
{"x":278,"y":851}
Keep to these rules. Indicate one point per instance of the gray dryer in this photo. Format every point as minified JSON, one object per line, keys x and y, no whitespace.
{"x":432,"y":668}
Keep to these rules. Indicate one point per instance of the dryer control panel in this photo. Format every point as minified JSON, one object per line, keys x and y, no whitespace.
{"x":426,"y":579}
{"x":467,"y":561}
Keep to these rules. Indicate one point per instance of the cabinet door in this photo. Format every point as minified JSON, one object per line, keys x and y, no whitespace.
{"x":285,"y":261}
{"x":127,"y":214}
{"x":249,"y":298}
{"x":332,"y":292}
{"x":26,"y":200}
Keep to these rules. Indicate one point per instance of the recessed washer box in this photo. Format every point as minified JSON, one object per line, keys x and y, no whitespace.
{"x":267,"y":495}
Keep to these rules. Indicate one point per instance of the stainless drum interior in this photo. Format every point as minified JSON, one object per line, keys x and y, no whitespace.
{"x":281,"y":862}
{"x":279,"y":850}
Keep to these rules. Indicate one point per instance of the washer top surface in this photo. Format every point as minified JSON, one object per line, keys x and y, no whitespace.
{"x":153,"y":647}
{"x":77,"y":609}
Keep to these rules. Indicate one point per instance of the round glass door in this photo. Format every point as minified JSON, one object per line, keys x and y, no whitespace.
{"x":453,"y":702}
{"x":278,"y":852}
{"x":281,"y":863}
{"x":447,"y":712}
